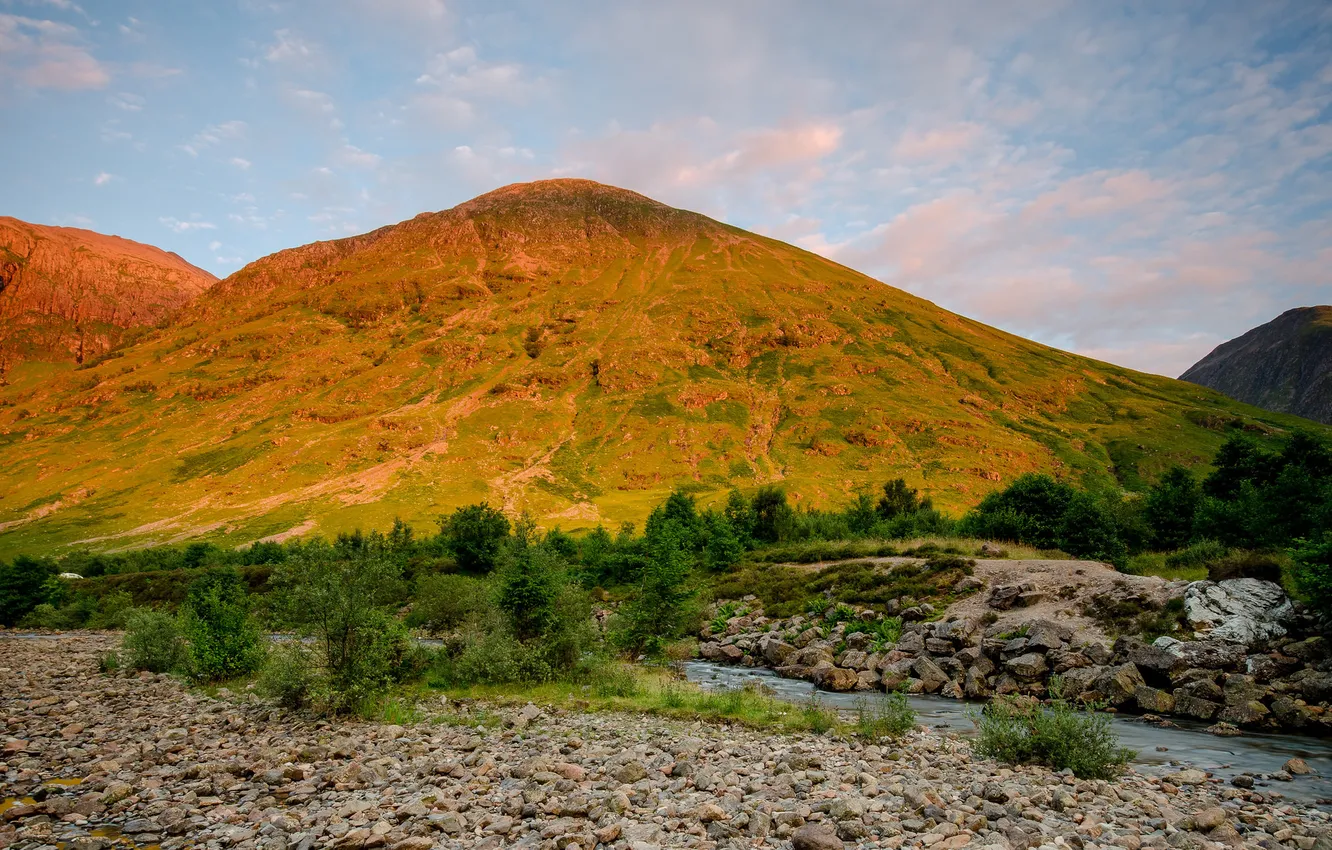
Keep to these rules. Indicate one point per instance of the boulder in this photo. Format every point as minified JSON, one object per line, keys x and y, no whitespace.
{"x":912,"y":642}
{"x":1191,"y":706}
{"x":775,"y":652}
{"x":1002,"y":598}
{"x":931,"y":677}
{"x":1310,"y":650}
{"x":1119,"y":684}
{"x":1244,"y":611}
{"x":1244,"y":713}
{"x":1268,"y":668}
{"x":1043,"y":635}
{"x":975,"y":685}
{"x":853,"y":659}
{"x":1029,"y":666}
{"x":1316,"y":687}
{"x":1152,"y":660}
{"x":1207,"y":654}
{"x":1154,"y":700}
{"x":1291,"y":714}
{"x":836,"y":678}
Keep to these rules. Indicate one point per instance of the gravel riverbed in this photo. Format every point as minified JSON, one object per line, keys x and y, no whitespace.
{"x":90,"y":761}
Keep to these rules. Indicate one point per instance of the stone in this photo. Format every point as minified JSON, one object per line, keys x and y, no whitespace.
{"x":833,"y":678}
{"x":1119,"y":684}
{"x":1028,"y":666}
{"x":1154,"y":700}
{"x":1244,"y":611}
{"x":1003,"y":598}
{"x":1208,"y":819}
{"x":931,"y":677}
{"x":630,"y":772}
{"x":1191,"y":706}
{"x":1043,"y":635}
{"x":710,"y":812}
{"x":1225,"y":730}
{"x":1297,"y":766}
{"x":813,"y":836}
{"x":1187,"y":776}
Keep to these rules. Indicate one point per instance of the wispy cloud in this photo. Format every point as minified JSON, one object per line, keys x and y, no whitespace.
{"x":175,"y":225}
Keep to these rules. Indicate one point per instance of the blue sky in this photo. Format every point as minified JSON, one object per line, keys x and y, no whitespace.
{"x":1133,"y":181}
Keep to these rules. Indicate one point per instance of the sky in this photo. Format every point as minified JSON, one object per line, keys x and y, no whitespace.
{"x":1136,"y":182}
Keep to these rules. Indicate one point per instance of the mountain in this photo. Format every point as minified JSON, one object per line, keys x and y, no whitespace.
{"x":69,"y":294}
{"x":565,"y":348}
{"x":1284,"y":365}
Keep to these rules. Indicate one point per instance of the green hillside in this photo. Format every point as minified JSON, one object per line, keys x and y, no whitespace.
{"x":565,"y":348}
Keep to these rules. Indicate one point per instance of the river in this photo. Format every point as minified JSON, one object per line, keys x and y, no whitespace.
{"x":1159,"y":751}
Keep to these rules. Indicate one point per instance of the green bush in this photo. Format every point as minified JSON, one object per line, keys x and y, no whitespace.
{"x":23,"y":586}
{"x":153,"y":642}
{"x":224,"y":640}
{"x":662,"y":606}
{"x":112,"y":611}
{"x":889,"y":717}
{"x":287,"y":675}
{"x":1021,"y":730}
{"x":475,"y":535}
{"x":341,"y":597}
{"x":445,"y":602}
{"x":1199,"y":554}
{"x":1313,"y":573}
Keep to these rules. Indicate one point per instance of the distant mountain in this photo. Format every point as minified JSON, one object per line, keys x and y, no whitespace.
{"x":1284,"y":365}
{"x":564,"y":348}
{"x":69,"y":294}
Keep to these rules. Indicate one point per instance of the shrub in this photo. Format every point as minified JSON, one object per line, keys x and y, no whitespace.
{"x":1313,"y":573}
{"x":889,"y":717}
{"x":899,"y":499}
{"x":1244,"y":565}
{"x":1023,"y":731}
{"x":444,"y":602}
{"x":1200,"y":554}
{"x":23,"y":586}
{"x":340,"y":598}
{"x":475,"y":535}
{"x":112,"y":611}
{"x":153,"y":642}
{"x":224,"y":641}
{"x":1088,"y":530}
{"x":661,"y":607}
{"x":108,"y":662}
{"x":1171,"y":508}
{"x":286,"y":676}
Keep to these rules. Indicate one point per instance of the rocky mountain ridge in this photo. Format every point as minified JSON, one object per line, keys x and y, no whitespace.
{"x":1284,"y":365}
{"x":564,"y":348}
{"x":72,"y":295}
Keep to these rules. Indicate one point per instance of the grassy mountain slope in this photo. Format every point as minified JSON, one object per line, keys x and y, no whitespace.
{"x":71,"y":295}
{"x":561,"y":347}
{"x":1284,"y":365}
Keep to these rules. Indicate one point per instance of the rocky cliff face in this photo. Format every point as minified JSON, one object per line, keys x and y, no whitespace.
{"x":68,"y":294}
{"x":1283,"y":366}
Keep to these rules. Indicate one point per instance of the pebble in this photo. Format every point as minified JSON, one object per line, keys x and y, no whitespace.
{"x":146,"y":759}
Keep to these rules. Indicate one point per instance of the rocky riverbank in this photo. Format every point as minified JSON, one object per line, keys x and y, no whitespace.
{"x":91,"y":761}
{"x":1243,"y":655}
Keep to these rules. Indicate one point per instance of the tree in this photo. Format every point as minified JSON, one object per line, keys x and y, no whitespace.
{"x":341,"y":598}
{"x":740,"y":514}
{"x":861,"y":514}
{"x":1239,"y":460}
{"x":659,"y":610}
{"x":772,"y":515}
{"x":723,"y":548}
{"x":1088,"y":530}
{"x":898,"y":499}
{"x":475,"y":535}
{"x":1030,"y":510}
{"x":679,"y":510}
{"x":23,"y":587}
{"x":1313,"y":572}
{"x":224,"y":641}
{"x":1172,"y":507}
{"x":529,"y":587}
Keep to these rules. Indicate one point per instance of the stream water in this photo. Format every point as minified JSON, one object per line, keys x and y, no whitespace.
{"x":1159,"y":751}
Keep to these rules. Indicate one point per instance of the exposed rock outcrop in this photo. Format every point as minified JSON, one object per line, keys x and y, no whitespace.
{"x":69,"y":294}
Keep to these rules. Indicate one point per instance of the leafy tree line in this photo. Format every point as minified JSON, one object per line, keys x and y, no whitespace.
{"x":1254,"y":498}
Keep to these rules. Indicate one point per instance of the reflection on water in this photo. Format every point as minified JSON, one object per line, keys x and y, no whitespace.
{"x":1256,"y":753}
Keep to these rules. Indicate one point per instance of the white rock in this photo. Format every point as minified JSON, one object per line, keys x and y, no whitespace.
{"x":1238,"y":610}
